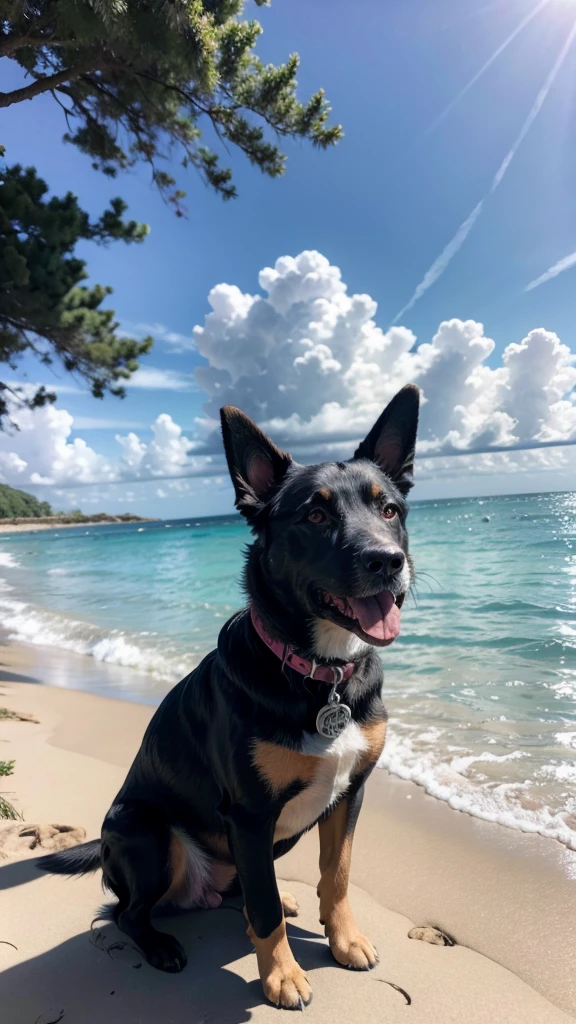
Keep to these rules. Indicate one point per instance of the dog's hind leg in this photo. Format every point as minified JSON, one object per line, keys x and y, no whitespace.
{"x":136,"y":863}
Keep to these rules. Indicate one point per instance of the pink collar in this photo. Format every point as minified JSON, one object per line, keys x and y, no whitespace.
{"x":334,"y":674}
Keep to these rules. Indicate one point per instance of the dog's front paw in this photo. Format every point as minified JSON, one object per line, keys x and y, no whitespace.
{"x":287,"y":987}
{"x":353,"y":950}
{"x":347,"y":943}
{"x":283,"y":980}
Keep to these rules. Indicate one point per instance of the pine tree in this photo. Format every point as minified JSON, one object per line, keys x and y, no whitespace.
{"x":43,"y":305}
{"x":137,"y":79}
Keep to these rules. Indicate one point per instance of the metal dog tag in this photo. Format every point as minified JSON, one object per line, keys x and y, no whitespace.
{"x":333,"y":718}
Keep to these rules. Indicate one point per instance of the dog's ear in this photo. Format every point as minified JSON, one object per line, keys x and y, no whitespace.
{"x":256,"y":465}
{"x":391,"y":443}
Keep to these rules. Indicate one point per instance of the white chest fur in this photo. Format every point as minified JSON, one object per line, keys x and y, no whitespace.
{"x":336,"y":762}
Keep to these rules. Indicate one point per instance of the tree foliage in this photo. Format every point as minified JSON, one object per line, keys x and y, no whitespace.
{"x":137,"y":78}
{"x":18,"y":504}
{"x":43,"y":305}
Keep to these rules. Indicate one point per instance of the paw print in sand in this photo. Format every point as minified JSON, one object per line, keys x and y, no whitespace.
{"x":432,"y":935}
{"x":17,"y":839}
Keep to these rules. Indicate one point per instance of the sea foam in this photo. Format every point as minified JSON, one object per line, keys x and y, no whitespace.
{"x":441,"y":776}
{"x":29,"y":624}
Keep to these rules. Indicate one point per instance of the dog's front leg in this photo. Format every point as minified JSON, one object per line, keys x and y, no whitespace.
{"x":349,"y":946}
{"x":251,"y":840}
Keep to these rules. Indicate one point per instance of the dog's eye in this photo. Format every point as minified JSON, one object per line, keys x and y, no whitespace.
{"x":317,"y":516}
{"x":388,"y":511}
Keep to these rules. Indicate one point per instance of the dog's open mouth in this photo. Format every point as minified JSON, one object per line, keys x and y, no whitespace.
{"x":375,"y":619}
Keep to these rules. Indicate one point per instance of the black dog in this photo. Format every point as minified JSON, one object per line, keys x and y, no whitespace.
{"x":278,"y":728}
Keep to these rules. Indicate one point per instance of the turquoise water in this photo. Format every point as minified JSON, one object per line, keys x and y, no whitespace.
{"x":481,"y":685}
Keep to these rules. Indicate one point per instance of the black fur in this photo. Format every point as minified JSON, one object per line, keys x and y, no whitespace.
{"x":194,"y":772}
{"x":79,"y":860}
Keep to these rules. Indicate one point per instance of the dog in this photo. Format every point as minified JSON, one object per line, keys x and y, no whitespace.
{"x":276,"y":730}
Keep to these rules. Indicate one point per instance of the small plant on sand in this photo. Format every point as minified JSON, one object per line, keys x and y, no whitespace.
{"x":6,"y":808}
{"x":15,"y":716}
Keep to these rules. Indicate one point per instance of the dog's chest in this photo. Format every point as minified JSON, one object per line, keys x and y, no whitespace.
{"x":333,"y":763}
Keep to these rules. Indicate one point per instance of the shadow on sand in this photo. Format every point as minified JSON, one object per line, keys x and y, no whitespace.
{"x":99,"y":978}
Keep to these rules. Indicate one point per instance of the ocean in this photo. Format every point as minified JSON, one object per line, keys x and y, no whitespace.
{"x":480,"y":686}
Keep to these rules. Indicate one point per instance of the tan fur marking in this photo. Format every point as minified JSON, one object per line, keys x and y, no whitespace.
{"x":375,"y":735}
{"x":215,"y":843}
{"x":284,"y":981}
{"x":279,"y":766}
{"x":335,"y":856}
{"x":375,"y":490}
{"x":349,"y":947}
{"x":325,"y":493}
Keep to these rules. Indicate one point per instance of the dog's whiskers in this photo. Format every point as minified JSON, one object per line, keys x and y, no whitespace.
{"x":427,"y":575}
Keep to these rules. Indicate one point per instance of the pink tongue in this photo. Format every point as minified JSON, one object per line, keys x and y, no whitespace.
{"x":378,"y":616}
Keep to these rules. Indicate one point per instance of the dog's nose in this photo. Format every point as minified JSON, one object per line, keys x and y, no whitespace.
{"x":383,"y":561}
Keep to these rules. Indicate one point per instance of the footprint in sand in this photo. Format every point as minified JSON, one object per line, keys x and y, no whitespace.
{"x":432,"y":935}
{"x":17,"y":839}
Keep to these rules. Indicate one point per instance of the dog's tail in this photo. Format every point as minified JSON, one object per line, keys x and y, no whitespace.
{"x":79,"y":860}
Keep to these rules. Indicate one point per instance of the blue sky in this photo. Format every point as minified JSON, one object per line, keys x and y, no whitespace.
{"x":381,"y":207}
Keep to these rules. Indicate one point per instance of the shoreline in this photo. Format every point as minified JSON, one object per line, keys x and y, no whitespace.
{"x":508,"y":895}
{"x":38,"y":525}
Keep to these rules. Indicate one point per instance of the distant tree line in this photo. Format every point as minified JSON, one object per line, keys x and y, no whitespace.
{"x":18,"y":504}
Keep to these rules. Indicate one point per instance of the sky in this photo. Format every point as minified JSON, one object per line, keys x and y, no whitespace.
{"x":436,"y":244}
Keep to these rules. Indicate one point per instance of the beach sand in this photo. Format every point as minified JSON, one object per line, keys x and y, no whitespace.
{"x":36,"y":525}
{"x":507,"y":898}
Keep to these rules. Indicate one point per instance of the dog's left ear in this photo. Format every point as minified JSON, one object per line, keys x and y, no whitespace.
{"x":391,"y":443}
{"x":256,"y":465}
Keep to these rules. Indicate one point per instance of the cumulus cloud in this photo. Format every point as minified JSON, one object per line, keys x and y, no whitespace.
{"x":42,"y":451}
{"x":308,"y":361}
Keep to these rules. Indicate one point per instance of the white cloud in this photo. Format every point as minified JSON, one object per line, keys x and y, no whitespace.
{"x":166,"y":455}
{"x":51,"y":385}
{"x":160,"y":332}
{"x":160,"y":493}
{"x":308,"y":362}
{"x":558,"y":268}
{"x":182,"y":487}
{"x":41,"y":452}
{"x":94,"y":423}
{"x":153,"y":378}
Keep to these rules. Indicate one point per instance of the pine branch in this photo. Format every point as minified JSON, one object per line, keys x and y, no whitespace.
{"x":46,"y":84}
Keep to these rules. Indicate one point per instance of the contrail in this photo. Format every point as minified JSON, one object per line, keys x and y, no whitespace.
{"x":525,"y":21}
{"x":448,"y":253}
{"x":445,"y":257}
{"x":558,"y":268}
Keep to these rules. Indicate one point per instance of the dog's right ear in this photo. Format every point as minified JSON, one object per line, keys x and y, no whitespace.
{"x":256,"y":465}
